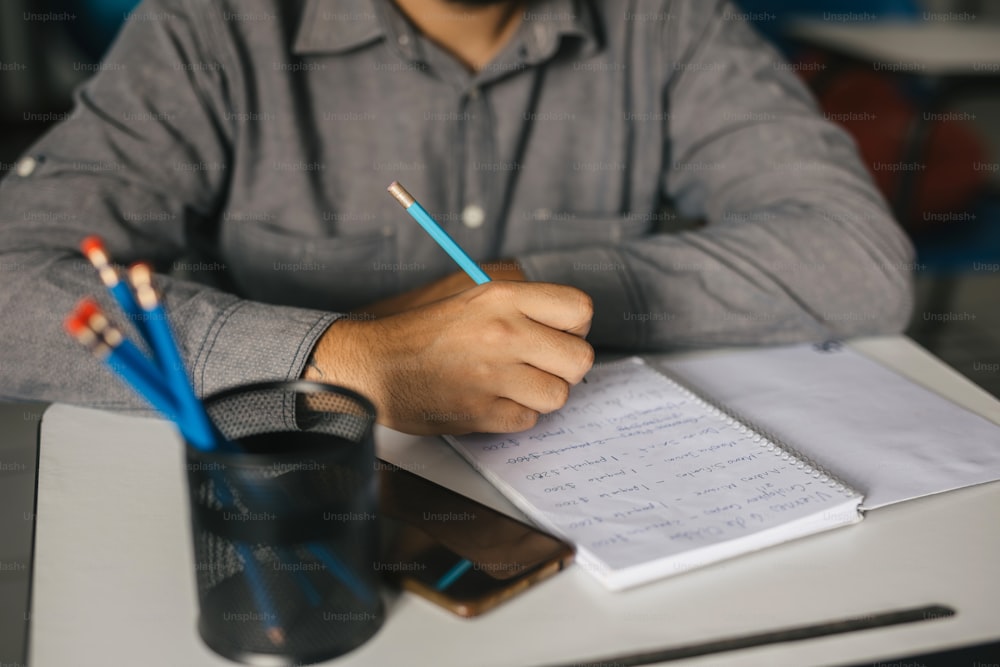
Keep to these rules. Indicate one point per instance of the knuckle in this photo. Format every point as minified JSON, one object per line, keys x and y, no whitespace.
{"x":558,"y":394}
{"x":495,"y":332}
{"x":514,"y":419}
{"x":526,"y":419}
{"x":501,"y":290}
{"x":479,"y":373}
{"x":586,"y":305}
{"x":585,"y":360}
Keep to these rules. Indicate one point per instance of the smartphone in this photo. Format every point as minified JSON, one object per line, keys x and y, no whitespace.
{"x":456,"y":552}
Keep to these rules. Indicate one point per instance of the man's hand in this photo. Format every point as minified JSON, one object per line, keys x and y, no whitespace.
{"x":489,"y":359}
{"x":504,"y":269}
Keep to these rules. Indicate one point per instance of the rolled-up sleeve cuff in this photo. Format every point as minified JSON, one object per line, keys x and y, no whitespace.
{"x":602,"y":273}
{"x":253,"y":342}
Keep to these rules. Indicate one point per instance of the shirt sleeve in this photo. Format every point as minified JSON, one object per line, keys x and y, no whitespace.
{"x":142,"y":161}
{"x":798,"y":244}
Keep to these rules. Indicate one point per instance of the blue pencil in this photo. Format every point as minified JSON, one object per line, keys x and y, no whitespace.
{"x":342,"y":572}
{"x":105,"y":341}
{"x":93,"y":248}
{"x":203,"y":433}
{"x":301,"y":578}
{"x":126,"y":354}
{"x":418,"y":213}
{"x":89,"y":326}
{"x":262,"y":599}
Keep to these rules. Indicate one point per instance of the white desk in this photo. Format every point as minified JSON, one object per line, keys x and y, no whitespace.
{"x":113,"y":581}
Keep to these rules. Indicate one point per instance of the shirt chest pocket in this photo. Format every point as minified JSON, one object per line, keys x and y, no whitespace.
{"x":556,"y":231}
{"x":335,"y":273}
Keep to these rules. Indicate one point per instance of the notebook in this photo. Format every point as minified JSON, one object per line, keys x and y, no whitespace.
{"x":654,"y":471}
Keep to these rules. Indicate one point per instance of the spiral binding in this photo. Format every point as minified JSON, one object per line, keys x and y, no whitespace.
{"x":765,"y":439}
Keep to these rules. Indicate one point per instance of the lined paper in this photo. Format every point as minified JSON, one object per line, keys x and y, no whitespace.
{"x":647,"y":480}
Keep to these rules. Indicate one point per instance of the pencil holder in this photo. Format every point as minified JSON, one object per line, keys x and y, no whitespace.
{"x":284,"y":524}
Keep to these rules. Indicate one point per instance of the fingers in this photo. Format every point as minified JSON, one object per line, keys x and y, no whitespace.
{"x":533,"y":389}
{"x":556,"y":306}
{"x":565,"y":356}
{"x":521,"y":340}
{"x":509,"y":416}
{"x":500,"y":415}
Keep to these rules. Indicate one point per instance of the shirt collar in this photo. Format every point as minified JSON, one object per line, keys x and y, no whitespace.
{"x":546,"y":22}
{"x":337,"y":26}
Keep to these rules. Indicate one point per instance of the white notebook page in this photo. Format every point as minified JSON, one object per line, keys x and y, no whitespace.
{"x":888,"y":437}
{"x":646,"y":480}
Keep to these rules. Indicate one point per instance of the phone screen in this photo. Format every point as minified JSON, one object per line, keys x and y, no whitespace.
{"x":457,"y":552}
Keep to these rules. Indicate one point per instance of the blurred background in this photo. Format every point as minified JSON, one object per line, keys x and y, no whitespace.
{"x":916,"y":82}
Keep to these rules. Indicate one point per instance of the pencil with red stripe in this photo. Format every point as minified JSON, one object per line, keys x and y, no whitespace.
{"x":107,"y":343}
{"x":89,"y":326}
{"x":93,"y":248}
{"x":202,"y":433}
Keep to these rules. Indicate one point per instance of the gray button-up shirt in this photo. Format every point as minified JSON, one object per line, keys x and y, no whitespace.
{"x":249,"y":143}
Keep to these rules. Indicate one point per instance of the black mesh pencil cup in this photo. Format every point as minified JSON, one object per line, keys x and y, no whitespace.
{"x":284,"y":524}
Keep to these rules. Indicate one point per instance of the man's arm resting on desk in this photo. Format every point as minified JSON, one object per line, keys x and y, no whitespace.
{"x":488,"y":359}
{"x":126,"y":165}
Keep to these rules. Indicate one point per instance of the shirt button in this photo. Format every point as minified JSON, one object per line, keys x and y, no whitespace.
{"x":404,"y":40}
{"x":473,"y":216}
{"x":474,"y":94}
{"x":541,"y":34}
{"x":25,"y":166}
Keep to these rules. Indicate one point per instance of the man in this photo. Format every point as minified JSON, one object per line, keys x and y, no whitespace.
{"x":255,"y":139}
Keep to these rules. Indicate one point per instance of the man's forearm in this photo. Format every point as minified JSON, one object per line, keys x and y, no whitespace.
{"x":224,"y":340}
{"x":491,"y":358}
{"x":784,"y":275}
